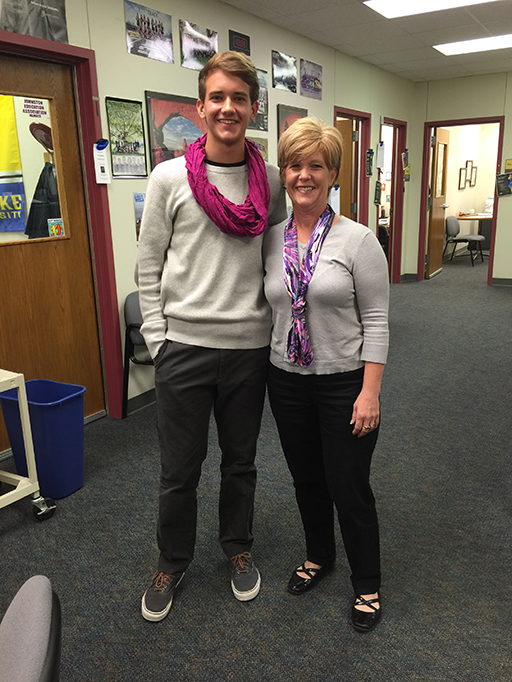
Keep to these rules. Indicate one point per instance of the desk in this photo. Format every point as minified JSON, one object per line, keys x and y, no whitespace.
{"x":484,"y":226}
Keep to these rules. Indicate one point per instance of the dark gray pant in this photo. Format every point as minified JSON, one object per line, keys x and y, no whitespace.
{"x":189,"y":381}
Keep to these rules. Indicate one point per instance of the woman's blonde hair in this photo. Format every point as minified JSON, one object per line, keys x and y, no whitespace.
{"x":306,"y":136}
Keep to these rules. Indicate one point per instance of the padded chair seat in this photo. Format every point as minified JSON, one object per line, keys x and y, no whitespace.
{"x":30,"y":634}
{"x":469,"y":238}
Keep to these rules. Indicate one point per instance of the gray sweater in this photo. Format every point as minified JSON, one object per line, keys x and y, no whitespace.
{"x":198,"y":285}
{"x":347,"y":300}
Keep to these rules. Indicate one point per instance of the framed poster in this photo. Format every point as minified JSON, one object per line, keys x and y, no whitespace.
{"x":138,"y":204}
{"x":261,"y":120}
{"x":286,"y":116}
{"x":284,"y":71}
{"x":173,"y":124}
{"x":239,"y":42}
{"x":310,"y":79}
{"x":198,"y":45}
{"x":262,"y":145}
{"x":462,"y":178}
{"x":148,"y":32}
{"x":126,"y":135}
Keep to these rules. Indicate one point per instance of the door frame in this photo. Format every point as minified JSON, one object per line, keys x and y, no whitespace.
{"x":365,"y":120}
{"x":429,"y":126}
{"x":88,"y":112}
{"x":399,"y":145}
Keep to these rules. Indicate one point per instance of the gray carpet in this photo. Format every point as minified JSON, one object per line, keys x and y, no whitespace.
{"x":443,"y":482}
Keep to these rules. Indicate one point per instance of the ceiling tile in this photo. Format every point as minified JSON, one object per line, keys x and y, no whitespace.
{"x":448,"y":18}
{"x":402,"y":45}
{"x":492,"y":11}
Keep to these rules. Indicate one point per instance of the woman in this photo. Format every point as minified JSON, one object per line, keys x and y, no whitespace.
{"x":327,"y":283}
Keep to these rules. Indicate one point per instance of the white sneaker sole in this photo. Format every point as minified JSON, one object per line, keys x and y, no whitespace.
{"x":248,"y":594}
{"x":153,"y":616}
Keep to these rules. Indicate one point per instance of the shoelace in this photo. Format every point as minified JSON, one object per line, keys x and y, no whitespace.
{"x":161,"y":581}
{"x":241,"y":562}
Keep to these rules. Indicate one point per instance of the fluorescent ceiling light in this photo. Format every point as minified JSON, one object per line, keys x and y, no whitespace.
{"x":478,"y":45}
{"x":406,"y":8}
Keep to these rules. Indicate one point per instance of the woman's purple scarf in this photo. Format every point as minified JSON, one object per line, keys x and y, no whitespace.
{"x":245,"y":220}
{"x":297,"y":276}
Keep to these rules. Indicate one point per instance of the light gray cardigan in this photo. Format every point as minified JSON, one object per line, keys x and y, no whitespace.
{"x":347,"y":300}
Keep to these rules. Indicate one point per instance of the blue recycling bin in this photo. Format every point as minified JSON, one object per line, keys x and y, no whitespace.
{"x":57,"y":422}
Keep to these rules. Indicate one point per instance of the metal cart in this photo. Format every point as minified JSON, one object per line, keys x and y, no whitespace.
{"x":43,"y":508}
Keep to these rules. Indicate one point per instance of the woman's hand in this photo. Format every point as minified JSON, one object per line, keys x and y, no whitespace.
{"x":366,"y":411}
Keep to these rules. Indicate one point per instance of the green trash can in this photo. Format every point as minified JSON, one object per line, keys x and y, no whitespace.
{"x":57,"y":421}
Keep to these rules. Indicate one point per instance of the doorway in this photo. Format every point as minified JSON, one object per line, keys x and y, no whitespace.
{"x":470,"y":167}
{"x":392,"y":177}
{"x":354,"y":127}
{"x":82,"y":62}
{"x":50,"y":327}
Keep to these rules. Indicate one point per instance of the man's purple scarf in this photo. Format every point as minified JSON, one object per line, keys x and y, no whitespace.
{"x":245,"y":220}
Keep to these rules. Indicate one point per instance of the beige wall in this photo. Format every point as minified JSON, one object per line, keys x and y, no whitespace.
{"x":347,"y":82}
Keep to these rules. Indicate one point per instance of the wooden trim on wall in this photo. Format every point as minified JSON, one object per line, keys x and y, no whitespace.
{"x":97,"y":195}
{"x":364,"y":182}
{"x":398,"y":214}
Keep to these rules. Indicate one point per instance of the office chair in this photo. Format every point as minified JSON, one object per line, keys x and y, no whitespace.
{"x":30,"y":634}
{"x":133,"y":339}
{"x":453,"y":237}
{"x":384,"y":238}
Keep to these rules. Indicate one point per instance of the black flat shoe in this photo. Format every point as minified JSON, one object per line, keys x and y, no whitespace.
{"x":298,"y":585}
{"x":364,"y":621}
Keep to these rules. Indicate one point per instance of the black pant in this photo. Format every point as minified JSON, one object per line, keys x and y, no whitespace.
{"x":189,"y":380}
{"x":329,"y":465}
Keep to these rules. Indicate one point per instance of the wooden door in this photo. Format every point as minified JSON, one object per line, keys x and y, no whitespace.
{"x":49,"y":327}
{"x":346,"y":174}
{"x":439,"y":170}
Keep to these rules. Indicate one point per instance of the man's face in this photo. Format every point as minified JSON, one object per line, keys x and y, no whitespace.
{"x":227,"y":108}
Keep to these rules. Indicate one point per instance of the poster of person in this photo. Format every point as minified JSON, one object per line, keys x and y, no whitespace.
{"x":138,"y":204}
{"x":12,"y":193}
{"x":286,"y":116}
{"x":310,"y":79}
{"x":126,"y":135}
{"x":198,"y":45}
{"x":284,"y":71}
{"x":173,"y":124}
{"x":262,"y":145}
{"x":261,"y":120}
{"x":42,"y":19}
{"x":148,"y":32}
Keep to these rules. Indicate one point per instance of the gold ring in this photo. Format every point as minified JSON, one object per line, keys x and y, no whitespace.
{"x":367,"y":427}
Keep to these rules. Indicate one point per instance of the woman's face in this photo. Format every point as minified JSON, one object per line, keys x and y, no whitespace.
{"x":307,"y":182}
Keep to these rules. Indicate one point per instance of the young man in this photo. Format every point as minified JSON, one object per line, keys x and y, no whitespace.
{"x":207,"y":323}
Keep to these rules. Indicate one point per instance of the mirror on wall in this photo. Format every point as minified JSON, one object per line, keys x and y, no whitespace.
{"x":29,"y":198}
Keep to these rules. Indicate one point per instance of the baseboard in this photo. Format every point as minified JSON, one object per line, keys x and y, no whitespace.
{"x":501,"y":282}
{"x":141,"y":400}
{"x":410,"y":277}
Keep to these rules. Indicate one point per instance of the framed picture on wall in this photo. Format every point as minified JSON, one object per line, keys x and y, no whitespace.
{"x":462,"y":178}
{"x":126,"y":135}
{"x":469,"y":170}
{"x":286,"y":116}
{"x":173,"y":124}
{"x":472,"y":182}
{"x":261,"y":120}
